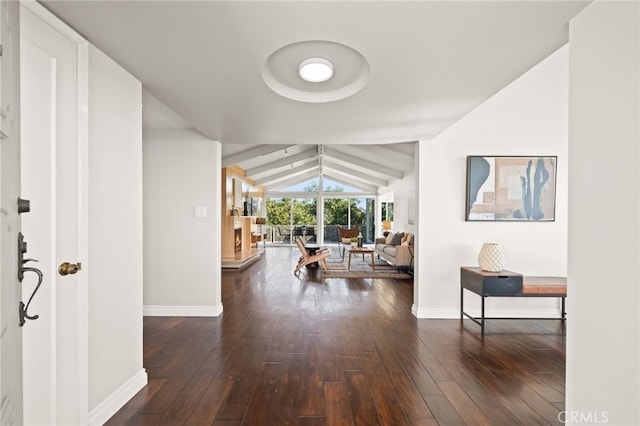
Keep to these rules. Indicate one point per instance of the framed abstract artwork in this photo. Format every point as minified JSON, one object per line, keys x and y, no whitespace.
{"x":501,"y":188}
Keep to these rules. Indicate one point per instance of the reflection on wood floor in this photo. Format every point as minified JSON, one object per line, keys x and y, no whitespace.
{"x":306,"y":351}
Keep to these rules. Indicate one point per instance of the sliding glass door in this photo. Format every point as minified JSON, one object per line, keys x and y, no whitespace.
{"x":279,"y":220}
{"x":298,"y":216}
{"x":304,"y":219}
{"x":347,"y":213}
{"x":362,"y":214}
{"x":336,"y":213}
{"x":291,"y":218}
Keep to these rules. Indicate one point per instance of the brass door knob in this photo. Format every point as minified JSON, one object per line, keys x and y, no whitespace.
{"x":67,"y":268}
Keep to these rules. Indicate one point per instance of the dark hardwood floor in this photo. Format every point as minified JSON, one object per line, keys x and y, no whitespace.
{"x":304,"y":351}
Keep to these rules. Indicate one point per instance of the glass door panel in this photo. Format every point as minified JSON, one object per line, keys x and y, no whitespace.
{"x":336,"y":213}
{"x":304,"y":219}
{"x":362,"y":214}
{"x":279,"y":220}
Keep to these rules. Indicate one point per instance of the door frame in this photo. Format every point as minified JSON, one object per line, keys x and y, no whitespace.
{"x":79,"y":385}
{"x":10,"y":220}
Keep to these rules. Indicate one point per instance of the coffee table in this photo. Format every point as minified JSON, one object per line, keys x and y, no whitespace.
{"x":362,"y":251}
{"x":312,"y":249}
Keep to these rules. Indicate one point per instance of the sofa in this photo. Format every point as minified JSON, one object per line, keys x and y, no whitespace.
{"x":397,"y":249}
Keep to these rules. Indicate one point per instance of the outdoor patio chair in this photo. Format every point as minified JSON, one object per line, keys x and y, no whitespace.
{"x":283,"y":234}
{"x":310,"y":234}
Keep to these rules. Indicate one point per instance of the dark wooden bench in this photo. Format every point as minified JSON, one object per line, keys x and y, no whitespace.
{"x":508,"y":284}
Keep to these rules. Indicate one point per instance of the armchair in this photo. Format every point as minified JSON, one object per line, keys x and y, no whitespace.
{"x":306,"y":258}
{"x":344,"y":238}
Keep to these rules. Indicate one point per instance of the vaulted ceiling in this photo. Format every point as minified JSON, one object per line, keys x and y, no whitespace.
{"x":426,"y":65}
{"x":363,"y":167}
{"x":366,"y":168}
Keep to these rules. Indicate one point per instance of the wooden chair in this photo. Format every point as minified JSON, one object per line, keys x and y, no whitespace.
{"x":345,"y":234}
{"x":307,"y":259}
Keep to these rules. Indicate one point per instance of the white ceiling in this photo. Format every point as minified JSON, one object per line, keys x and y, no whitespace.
{"x":431,"y":62}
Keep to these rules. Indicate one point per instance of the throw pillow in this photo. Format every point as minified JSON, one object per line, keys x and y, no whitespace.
{"x":389,"y":238}
{"x":397,"y":239}
{"x":411,"y":240}
{"x":407,"y":237}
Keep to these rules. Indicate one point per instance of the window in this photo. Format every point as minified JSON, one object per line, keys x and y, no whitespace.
{"x":279,"y":220}
{"x":296,"y":215}
{"x":290,"y":218}
{"x":347,"y":213}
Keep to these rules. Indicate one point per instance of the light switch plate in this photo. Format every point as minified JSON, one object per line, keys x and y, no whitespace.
{"x":199,"y":211}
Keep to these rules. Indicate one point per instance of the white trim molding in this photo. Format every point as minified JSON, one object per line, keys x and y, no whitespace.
{"x":435,"y":313}
{"x":115,"y":401}
{"x":182,"y":311}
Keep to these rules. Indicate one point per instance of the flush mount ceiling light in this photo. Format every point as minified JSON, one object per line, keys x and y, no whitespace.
{"x":315,"y":70}
{"x":284,"y":71}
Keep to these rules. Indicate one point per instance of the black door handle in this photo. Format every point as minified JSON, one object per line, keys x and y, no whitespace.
{"x":23,"y":308}
{"x":22,"y":249}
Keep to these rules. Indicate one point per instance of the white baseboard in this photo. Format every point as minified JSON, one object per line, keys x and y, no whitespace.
{"x":181,"y":311}
{"x":115,"y":401}
{"x":435,"y":313}
{"x":454,"y":313}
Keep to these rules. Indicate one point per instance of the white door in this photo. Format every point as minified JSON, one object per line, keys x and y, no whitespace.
{"x":10,"y":293}
{"x":54,"y":345}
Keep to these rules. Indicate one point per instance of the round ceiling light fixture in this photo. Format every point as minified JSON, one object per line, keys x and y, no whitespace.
{"x":284,"y":71}
{"x":315,"y":70}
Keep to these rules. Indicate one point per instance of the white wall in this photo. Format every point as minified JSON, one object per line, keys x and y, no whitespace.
{"x":603,"y":356}
{"x":399,"y":192}
{"x":115,"y":237}
{"x":528,"y":117}
{"x":182,"y":253}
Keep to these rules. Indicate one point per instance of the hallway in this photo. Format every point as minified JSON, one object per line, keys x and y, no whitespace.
{"x":301,"y":350}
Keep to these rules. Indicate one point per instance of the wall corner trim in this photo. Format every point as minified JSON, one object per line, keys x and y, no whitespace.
{"x":182,"y":311}
{"x":107,"y":408}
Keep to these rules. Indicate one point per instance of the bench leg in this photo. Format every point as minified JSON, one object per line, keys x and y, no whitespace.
{"x":482,"y":315}
{"x":564,"y":312}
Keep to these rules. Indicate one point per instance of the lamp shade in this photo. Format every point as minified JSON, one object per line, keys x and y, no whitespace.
{"x":261,"y":220}
{"x":386,"y":225}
